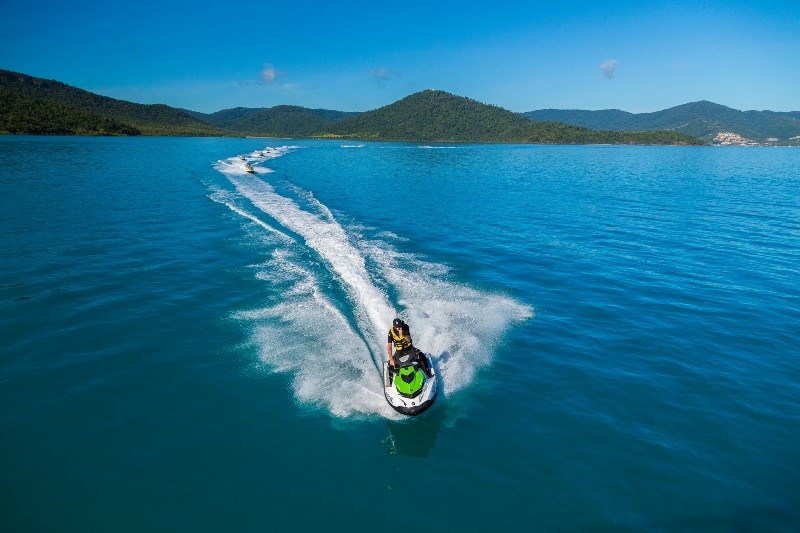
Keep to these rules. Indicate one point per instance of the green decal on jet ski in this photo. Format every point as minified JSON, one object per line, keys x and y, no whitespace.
{"x":408,"y":381}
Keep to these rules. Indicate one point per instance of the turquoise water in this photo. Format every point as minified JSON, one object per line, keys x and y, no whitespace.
{"x":186,"y":346}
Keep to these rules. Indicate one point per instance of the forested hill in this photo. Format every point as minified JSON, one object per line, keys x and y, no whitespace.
{"x":702,"y":119}
{"x":433,"y":115}
{"x":38,"y":106}
{"x":35,"y":116}
{"x":282,"y":120}
{"x":436,"y":116}
{"x":37,"y":101}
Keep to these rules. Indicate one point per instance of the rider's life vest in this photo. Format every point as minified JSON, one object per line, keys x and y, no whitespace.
{"x":400,"y":342}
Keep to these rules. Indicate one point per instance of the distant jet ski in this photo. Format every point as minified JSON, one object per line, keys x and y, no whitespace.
{"x":407,"y":388}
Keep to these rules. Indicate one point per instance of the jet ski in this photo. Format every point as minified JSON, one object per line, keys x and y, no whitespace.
{"x":250,"y":168}
{"x":407,"y":388}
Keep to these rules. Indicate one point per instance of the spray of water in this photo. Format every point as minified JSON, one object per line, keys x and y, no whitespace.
{"x":328,"y":314}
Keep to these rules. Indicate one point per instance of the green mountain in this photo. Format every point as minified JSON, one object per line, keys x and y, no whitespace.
{"x":282,"y":120}
{"x":432,"y":115}
{"x":435,"y":116}
{"x":39,"y":106}
{"x":26,"y":115}
{"x":52,"y":101}
{"x":703,"y":120}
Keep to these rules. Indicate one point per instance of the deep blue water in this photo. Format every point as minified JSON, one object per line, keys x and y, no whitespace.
{"x":188,"y":347}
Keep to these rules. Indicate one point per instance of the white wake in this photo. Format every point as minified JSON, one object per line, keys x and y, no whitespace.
{"x":328,"y":314}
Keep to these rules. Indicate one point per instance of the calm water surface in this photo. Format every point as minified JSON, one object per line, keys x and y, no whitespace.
{"x":186,"y":346}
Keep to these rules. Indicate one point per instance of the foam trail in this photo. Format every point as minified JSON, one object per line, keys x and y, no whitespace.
{"x":458,"y":325}
{"x":329,"y":240}
{"x":304,"y":330}
{"x":219,"y":197}
{"x":306,"y":335}
{"x":238,"y":166}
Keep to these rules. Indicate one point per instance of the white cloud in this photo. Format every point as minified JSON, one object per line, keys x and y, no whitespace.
{"x":382,"y":76}
{"x":268,"y":74}
{"x":608,"y":67}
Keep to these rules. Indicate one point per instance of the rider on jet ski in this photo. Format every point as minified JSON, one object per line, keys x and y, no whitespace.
{"x":400,"y":337}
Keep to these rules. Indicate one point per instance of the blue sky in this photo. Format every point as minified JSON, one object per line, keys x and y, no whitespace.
{"x":356,"y":56}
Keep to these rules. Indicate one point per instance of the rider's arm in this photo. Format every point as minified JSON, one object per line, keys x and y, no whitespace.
{"x":407,"y":334}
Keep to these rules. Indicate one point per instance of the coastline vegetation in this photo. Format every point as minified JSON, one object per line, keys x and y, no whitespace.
{"x":34,"y":116}
{"x":704,"y":120}
{"x":438,"y":116}
{"x":37,"y":106}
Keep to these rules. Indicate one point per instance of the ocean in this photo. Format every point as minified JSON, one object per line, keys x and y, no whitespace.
{"x":185,"y":346}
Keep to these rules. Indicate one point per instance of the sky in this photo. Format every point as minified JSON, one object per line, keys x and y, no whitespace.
{"x":357,"y":55}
